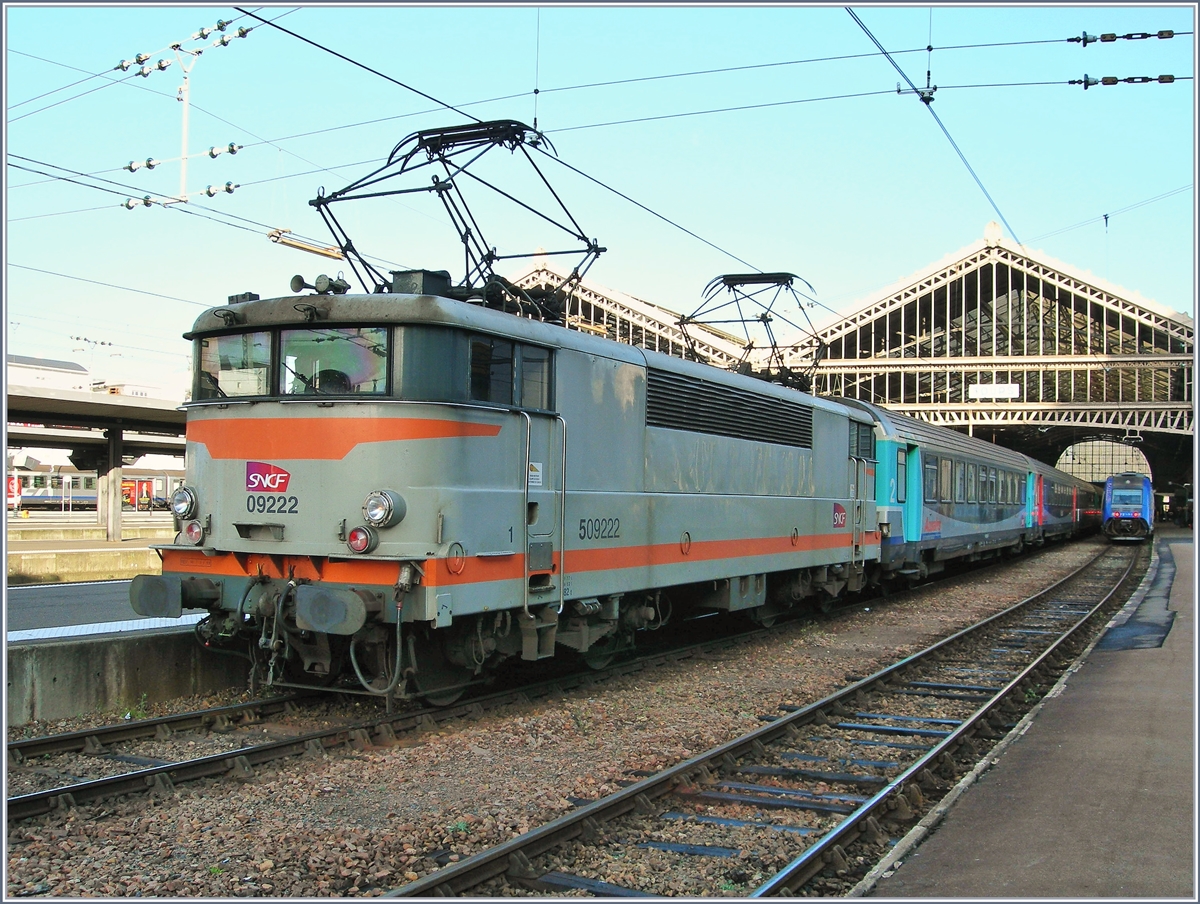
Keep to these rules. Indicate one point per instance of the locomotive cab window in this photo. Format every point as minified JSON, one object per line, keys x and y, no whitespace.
{"x":238,"y":364}
{"x":333,"y":361}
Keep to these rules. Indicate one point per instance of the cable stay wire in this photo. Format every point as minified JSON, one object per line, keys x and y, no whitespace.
{"x":176,"y":207}
{"x":926,"y":99}
{"x":60,"y":213}
{"x":97,"y":282}
{"x":98,"y":326}
{"x":664,"y":116}
{"x":1103,"y":217}
{"x":660,"y":216}
{"x":354,"y":62}
{"x":56,"y":90}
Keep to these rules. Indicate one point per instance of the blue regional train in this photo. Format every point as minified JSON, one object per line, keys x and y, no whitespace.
{"x":394,"y":493}
{"x":1128,"y":507}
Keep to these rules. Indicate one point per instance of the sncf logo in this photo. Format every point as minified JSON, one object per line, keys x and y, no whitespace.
{"x":266,"y":478}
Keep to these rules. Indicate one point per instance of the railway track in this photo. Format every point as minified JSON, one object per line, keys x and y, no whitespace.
{"x":236,"y":734}
{"x":810,"y":801}
{"x":238,"y":724}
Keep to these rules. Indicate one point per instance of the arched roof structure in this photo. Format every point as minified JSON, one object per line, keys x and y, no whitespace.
{"x":1010,"y":345}
{"x":995,"y":340}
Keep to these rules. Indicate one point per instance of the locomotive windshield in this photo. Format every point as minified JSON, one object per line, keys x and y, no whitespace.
{"x":333,"y":361}
{"x":1127,"y":497}
{"x":237,"y":365}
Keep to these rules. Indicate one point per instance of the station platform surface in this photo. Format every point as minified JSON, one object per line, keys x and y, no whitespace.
{"x":1097,"y":798}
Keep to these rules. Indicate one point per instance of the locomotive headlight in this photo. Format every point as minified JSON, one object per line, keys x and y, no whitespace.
{"x":183,"y":502}
{"x":193,"y":532}
{"x":383,"y":508}
{"x":362,"y":539}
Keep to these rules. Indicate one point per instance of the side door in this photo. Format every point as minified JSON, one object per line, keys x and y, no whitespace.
{"x":545,"y":473}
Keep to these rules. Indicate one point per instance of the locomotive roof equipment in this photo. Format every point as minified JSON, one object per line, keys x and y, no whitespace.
{"x":455,"y":150}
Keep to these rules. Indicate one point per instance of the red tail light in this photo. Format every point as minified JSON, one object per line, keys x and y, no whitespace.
{"x":361,"y":539}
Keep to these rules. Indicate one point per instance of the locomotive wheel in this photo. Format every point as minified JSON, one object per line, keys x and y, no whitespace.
{"x":601,"y":655}
{"x":439,"y":681}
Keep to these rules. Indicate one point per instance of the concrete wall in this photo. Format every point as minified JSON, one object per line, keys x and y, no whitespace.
{"x":64,"y":679}
{"x":51,"y":566}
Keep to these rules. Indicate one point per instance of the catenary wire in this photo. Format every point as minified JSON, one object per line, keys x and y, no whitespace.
{"x":97,"y":282}
{"x":354,"y":62}
{"x":1100,"y":218}
{"x":941,"y":125}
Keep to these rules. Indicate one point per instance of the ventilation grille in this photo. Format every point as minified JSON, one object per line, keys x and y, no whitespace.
{"x":679,"y":402}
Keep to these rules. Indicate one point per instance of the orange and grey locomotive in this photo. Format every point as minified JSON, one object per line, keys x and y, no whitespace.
{"x":393,"y":493}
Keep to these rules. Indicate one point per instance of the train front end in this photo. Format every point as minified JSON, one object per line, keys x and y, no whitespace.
{"x":1128,"y":512}
{"x":318,"y":498}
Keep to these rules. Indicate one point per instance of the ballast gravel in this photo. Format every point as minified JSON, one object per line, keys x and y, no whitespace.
{"x":363,"y":822}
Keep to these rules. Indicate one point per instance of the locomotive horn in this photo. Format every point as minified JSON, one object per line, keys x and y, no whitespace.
{"x":298,"y":283}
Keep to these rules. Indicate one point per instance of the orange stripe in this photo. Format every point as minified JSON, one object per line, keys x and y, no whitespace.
{"x":487,"y":569}
{"x":281,"y":567}
{"x":579,"y":561}
{"x":318,"y":437}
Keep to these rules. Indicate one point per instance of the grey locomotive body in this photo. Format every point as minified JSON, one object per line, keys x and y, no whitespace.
{"x":402,"y":491}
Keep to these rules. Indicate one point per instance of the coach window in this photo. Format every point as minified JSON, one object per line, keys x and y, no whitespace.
{"x":238,"y":364}
{"x":972,"y":484}
{"x":901,"y":474}
{"x":960,"y":482}
{"x":991,"y":484}
{"x":1021,"y":489}
{"x":39,"y":482}
{"x":947,"y":479}
{"x":931,"y":479}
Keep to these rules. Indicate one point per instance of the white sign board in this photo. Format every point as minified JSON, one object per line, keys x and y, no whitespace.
{"x":994,"y":391}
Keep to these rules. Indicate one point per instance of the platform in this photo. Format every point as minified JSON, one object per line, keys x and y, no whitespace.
{"x":1097,"y":797}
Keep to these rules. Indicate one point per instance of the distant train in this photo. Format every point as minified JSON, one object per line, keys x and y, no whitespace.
{"x":1128,"y":507}
{"x":66,"y":490}
{"x":383,"y":495}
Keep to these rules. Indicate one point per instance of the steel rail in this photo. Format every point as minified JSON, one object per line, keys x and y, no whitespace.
{"x":812,"y":860}
{"x":512,"y":856}
{"x":217,"y":718}
{"x":363,"y":733}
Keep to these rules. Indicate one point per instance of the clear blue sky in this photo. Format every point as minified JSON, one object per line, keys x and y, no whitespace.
{"x":851,"y":193}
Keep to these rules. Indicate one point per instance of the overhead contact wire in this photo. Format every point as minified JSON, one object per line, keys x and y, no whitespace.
{"x":354,"y":62}
{"x":941,"y":125}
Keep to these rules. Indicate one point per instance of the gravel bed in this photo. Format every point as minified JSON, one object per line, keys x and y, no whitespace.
{"x":362,"y":822}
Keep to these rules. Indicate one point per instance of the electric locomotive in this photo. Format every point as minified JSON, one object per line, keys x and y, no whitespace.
{"x":394,"y":493}
{"x":1128,"y":507}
